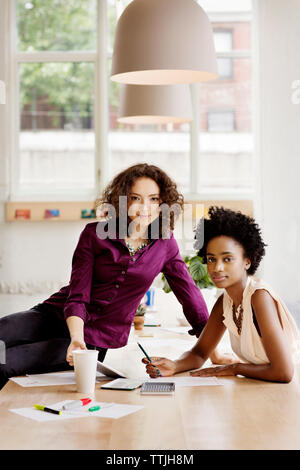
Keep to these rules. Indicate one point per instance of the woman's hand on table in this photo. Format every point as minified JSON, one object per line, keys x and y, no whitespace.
{"x":159,"y":367}
{"x":220,"y":371}
{"x":75,"y":344}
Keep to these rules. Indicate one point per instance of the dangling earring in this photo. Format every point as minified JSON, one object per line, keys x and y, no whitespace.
{"x":103,"y":214}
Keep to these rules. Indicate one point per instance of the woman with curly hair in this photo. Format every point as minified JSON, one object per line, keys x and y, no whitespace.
{"x":263,"y":333}
{"x":113,"y":266}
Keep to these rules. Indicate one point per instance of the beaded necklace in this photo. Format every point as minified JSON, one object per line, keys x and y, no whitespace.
{"x":132,"y":250}
{"x":238,"y":320}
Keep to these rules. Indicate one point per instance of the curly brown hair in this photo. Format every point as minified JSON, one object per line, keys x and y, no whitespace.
{"x":169,"y":195}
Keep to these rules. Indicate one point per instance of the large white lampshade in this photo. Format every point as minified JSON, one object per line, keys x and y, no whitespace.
{"x":160,"y":42}
{"x":155,"y":104}
{"x":2,"y":92}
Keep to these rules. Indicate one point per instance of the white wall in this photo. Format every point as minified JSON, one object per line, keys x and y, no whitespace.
{"x":36,"y":256}
{"x":279,"y":123}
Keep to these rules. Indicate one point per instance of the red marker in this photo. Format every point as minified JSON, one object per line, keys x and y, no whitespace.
{"x":76,"y":403}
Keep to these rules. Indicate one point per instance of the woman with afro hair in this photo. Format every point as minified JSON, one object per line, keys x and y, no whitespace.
{"x":263,"y":333}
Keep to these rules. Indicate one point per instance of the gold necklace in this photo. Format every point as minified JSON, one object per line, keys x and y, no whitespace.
{"x":238,"y":320}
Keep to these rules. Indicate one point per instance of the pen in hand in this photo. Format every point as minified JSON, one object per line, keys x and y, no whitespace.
{"x":141,"y":347}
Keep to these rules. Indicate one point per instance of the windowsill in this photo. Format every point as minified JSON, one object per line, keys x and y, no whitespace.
{"x":68,"y":210}
{"x":71,"y":210}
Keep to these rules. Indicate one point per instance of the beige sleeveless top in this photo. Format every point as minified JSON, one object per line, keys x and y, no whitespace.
{"x":248,"y":345}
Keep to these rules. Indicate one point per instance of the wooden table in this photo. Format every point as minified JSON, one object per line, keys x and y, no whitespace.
{"x":243,"y":414}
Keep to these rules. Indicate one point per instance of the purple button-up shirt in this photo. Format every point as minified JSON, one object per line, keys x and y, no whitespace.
{"x":107,"y":285}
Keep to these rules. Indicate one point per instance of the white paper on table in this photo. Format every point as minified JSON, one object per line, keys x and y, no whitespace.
{"x":160,"y":343}
{"x":151,"y":320}
{"x":42,"y":416}
{"x":52,"y":378}
{"x":118,"y":411}
{"x":109,"y":410}
{"x":183,"y":330}
{"x":189,"y":381}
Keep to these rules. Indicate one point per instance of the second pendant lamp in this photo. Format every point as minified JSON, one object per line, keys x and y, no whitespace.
{"x":155,"y":104}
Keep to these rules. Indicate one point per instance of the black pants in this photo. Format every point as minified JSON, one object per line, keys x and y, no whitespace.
{"x":36,"y":341}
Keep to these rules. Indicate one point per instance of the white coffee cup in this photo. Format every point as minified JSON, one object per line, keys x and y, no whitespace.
{"x":85,"y":366}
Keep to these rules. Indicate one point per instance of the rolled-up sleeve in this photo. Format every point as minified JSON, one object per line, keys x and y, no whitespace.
{"x":186,"y":291}
{"x":81,"y":276}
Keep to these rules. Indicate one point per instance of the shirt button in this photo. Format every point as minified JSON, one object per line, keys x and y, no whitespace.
{"x":117,"y":286}
{"x":133,"y":259}
{"x":123,"y":272}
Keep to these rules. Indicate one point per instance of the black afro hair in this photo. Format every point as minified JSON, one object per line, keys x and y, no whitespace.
{"x":236,"y":225}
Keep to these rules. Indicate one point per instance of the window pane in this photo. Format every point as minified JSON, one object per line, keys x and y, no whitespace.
{"x":223,"y":41}
{"x":226,"y":131}
{"x":220,"y":121}
{"x":57,"y":121}
{"x":59,"y":25}
{"x":230,"y":95}
{"x":166,"y":146}
{"x":225,"y":67}
{"x":114,"y":10}
{"x":232,"y":35}
{"x":226,"y":134}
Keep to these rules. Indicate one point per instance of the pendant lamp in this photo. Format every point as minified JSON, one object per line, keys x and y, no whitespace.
{"x":160,"y":42}
{"x":2,"y":92}
{"x":155,"y":104}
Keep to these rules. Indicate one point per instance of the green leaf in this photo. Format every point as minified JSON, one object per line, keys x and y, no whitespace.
{"x":197,"y":269}
{"x":167,"y":287}
{"x":198,"y":272}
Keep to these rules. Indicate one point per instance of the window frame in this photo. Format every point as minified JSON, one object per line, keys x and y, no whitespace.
{"x":100,"y":113}
{"x":195,"y":164}
{"x":101,"y":118}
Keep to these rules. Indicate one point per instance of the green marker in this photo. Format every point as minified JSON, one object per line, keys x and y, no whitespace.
{"x":95,"y":408}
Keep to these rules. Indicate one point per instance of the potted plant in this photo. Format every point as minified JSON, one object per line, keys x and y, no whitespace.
{"x":139,"y":317}
{"x":198,"y":272}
